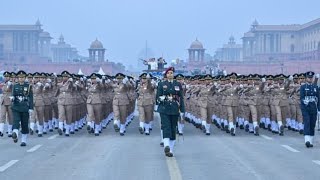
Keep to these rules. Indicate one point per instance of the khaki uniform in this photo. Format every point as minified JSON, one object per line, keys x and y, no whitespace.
{"x":145,"y":103}
{"x":120,"y":105}
{"x":65,"y":103}
{"x":39,"y":107}
{"x":5,"y":110}
{"x":94,"y":106}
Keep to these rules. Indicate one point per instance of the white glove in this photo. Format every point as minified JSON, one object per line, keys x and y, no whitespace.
{"x":49,"y":80}
{"x":215,"y":83}
{"x":181,"y":115}
{"x":156,"y":107}
{"x":290,"y":77}
{"x":241,"y":85}
{"x":103,"y":77}
{"x":162,"y":98}
{"x":70,"y":80}
{"x":11,"y":98}
{"x":30,"y":110}
{"x":39,"y":83}
{"x":263,"y":79}
{"x":47,"y":85}
{"x":125,"y":80}
{"x":20,"y":99}
{"x":318,"y":76}
{"x":77,"y":83}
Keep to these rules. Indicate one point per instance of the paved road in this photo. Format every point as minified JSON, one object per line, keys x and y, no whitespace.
{"x":138,"y":157}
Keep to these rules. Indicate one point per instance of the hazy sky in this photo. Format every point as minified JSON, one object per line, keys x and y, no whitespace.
{"x":169,"y":26}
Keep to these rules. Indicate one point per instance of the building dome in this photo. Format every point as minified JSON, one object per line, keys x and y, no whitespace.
{"x":45,"y":34}
{"x":196,"y":45}
{"x":96,"y":45}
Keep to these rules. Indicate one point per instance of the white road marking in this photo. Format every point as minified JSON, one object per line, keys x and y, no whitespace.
{"x":172,"y":164}
{"x":266,"y":137}
{"x":53,"y":136}
{"x":174,"y":169}
{"x":290,"y":148}
{"x":317,"y":162}
{"x":9,"y":164}
{"x":34,"y":148}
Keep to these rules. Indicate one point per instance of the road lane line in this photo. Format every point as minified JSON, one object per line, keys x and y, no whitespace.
{"x":290,"y":148}
{"x":9,"y":164}
{"x":317,"y":162}
{"x":173,"y":167}
{"x":34,"y":148}
{"x":266,"y":137}
{"x":53,"y":136}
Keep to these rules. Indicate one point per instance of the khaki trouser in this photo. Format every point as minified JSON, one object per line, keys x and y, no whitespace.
{"x":265,"y":111}
{"x":47,"y":113}
{"x":293,"y":111}
{"x":120,"y":113}
{"x":254,"y":113}
{"x":231,"y":113}
{"x":55,"y":112}
{"x":38,"y":114}
{"x":205,"y":115}
{"x":65,"y":113}
{"x":6,"y":112}
{"x":145,"y":113}
{"x":94,"y":112}
{"x":299,"y":113}
{"x":273,"y":113}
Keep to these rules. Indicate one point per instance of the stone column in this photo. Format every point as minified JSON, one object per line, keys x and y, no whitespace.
{"x":190,"y":54}
{"x":193,"y":55}
{"x":202,"y":55}
{"x":198,"y":55}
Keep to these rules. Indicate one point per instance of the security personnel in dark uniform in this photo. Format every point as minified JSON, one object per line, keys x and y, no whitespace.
{"x":170,"y":105}
{"x":22,"y":98}
{"x":309,"y":97}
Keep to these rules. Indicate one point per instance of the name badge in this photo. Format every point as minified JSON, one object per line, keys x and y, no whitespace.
{"x":177,"y":88}
{"x":165,"y":87}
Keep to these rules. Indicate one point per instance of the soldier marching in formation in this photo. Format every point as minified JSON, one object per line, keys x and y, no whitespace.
{"x":41,"y":102}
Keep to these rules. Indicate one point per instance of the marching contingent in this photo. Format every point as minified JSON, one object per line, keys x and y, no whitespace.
{"x":40,"y":103}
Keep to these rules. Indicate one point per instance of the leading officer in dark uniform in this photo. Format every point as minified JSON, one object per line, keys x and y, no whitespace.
{"x":309,"y":97}
{"x":170,"y":103}
{"x":22,"y":105}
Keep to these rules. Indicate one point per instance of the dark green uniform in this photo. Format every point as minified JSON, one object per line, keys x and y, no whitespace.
{"x":168,"y":108}
{"x":22,"y":103}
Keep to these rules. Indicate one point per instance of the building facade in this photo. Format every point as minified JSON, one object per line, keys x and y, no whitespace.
{"x":31,"y":44}
{"x":229,"y":52}
{"x":63,"y":52}
{"x":282,"y":42}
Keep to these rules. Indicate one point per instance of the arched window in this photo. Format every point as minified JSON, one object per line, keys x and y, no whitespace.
{"x":292,"y":48}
